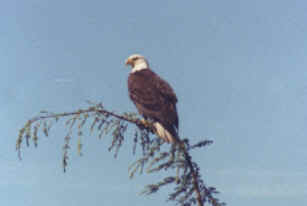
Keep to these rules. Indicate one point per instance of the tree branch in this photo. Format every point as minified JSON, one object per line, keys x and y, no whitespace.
{"x":194,"y":174}
{"x":150,"y":150}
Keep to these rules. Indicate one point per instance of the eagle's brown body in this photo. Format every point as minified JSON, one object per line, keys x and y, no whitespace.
{"x":154,"y":99}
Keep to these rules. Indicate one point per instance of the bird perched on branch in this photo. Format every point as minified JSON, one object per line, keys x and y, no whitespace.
{"x":153,"y":97}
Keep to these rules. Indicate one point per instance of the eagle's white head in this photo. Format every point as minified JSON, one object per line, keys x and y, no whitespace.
{"x":137,"y":62}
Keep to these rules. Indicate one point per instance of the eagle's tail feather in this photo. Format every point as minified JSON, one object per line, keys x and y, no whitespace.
{"x":164,"y":133}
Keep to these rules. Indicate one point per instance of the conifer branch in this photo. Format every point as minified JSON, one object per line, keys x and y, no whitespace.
{"x":189,"y":187}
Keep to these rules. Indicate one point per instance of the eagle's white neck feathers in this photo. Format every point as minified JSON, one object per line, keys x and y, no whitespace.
{"x":140,"y":66}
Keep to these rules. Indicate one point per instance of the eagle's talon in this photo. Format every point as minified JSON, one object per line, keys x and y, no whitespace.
{"x":145,"y":123}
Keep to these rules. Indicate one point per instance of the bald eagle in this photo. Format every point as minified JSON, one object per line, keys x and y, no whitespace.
{"x":153,"y":97}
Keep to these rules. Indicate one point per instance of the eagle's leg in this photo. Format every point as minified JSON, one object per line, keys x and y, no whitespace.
{"x":145,"y":123}
{"x":156,"y":128}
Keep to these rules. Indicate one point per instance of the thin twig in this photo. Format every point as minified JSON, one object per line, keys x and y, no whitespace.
{"x":90,"y":110}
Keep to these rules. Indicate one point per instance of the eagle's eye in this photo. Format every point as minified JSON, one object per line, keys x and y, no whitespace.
{"x":135,"y":58}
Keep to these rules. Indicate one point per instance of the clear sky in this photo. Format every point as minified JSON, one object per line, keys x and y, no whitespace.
{"x":238,"y":68}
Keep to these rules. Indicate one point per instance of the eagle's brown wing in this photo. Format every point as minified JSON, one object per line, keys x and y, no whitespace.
{"x":154,"y":98}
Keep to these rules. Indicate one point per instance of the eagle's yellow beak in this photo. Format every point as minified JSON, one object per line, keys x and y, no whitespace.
{"x":129,"y":62}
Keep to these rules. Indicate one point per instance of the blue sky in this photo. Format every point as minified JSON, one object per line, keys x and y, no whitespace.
{"x":238,"y":68}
